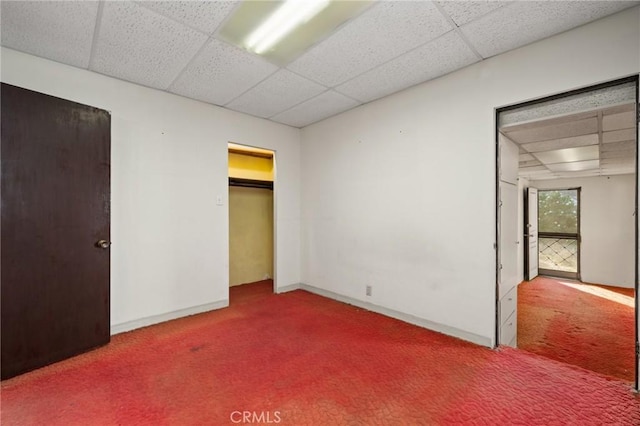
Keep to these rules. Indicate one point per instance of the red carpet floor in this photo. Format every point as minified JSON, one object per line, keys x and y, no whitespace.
{"x":301,"y":359}
{"x":579,"y":324}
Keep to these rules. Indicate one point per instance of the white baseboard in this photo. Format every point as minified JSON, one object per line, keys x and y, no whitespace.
{"x":287,"y":288}
{"x":155,"y":319}
{"x":440,"y":328}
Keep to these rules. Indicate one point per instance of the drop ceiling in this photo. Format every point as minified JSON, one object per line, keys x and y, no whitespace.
{"x":597,"y":142}
{"x":175,"y":46}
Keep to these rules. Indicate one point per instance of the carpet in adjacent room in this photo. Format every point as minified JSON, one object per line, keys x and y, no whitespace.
{"x":590,"y":326}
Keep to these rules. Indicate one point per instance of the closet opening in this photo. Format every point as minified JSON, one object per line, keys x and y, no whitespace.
{"x":251,"y":222}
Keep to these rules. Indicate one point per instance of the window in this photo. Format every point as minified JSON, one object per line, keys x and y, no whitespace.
{"x":559,"y":232}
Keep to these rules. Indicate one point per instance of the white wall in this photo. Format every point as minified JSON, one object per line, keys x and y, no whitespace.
{"x":169,"y":161}
{"x":400,"y":193}
{"x":607,"y":250}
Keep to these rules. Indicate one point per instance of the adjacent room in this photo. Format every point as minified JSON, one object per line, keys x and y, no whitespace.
{"x":319,"y":212}
{"x":576,"y":177}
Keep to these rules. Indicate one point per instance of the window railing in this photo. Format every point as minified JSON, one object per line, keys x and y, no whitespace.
{"x":559,"y":254}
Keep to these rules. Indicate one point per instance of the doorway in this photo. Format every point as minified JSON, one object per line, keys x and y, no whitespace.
{"x":559,"y":233}
{"x":251,"y":220}
{"x":577,"y":150}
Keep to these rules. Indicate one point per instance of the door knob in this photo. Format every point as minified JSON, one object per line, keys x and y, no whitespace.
{"x":103,"y":244}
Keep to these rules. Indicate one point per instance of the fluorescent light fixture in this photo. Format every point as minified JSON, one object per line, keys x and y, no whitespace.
{"x":577,"y":166}
{"x":282,"y":21}
{"x":288,"y":26}
{"x":570,"y":142}
{"x":569,"y":155}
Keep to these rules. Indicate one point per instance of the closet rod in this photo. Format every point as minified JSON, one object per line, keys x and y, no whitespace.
{"x":251,"y":183}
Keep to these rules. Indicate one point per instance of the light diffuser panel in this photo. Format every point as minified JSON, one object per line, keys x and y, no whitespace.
{"x":251,"y":14}
{"x":574,"y":167}
{"x":569,"y":155}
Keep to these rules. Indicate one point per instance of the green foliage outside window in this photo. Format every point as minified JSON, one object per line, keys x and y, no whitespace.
{"x":558,"y":211}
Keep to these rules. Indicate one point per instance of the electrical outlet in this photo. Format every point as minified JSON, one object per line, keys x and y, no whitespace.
{"x":368,"y":290}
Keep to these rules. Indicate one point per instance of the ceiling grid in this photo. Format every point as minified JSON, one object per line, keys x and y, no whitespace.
{"x":176,"y":46}
{"x":589,"y":143}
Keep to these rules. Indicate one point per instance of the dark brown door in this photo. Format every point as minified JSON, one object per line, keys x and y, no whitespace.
{"x":55,"y":208}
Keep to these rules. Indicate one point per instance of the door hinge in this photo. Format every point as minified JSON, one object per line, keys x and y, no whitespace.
{"x":638,"y":349}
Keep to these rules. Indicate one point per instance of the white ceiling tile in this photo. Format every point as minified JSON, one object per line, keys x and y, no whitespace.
{"x":527,"y":21}
{"x":322,"y":106}
{"x":619,"y":136}
{"x":619,"y":108}
{"x":436,"y":58}
{"x":529,"y":169}
{"x":623,"y":120}
{"x":277,"y":93}
{"x":529,"y":163}
{"x":464,"y":11}
{"x":221,"y":73}
{"x":629,"y":146}
{"x":535,"y":174}
{"x":138,"y":45}
{"x":618,"y":162}
{"x":618,"y":154}
{"x":526,"y":157}
{"x":62,"y":31}
{"x":569,"y":155}
{"x":384,"y":31}
{"x":202,"y":15}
